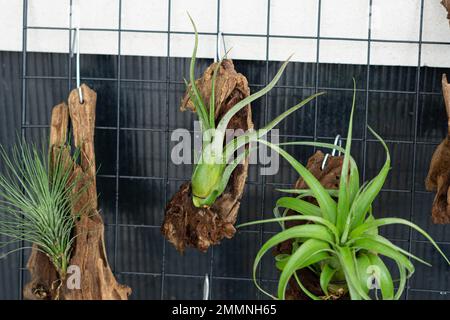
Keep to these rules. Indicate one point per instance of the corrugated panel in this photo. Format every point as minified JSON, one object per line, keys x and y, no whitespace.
{"x":148,"y":105}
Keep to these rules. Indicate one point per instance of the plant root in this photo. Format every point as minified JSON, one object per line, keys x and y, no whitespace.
{"x":184,"y":224}
{"x":57,"y":289}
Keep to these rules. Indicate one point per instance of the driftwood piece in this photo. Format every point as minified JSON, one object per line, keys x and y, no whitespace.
{"x":446,"y":4}
{"x":97,"y":281}
{"x":438,"y":178}
{"x":43,"y":273}
{"x":184,"y":224}
{"x":329,"y":177}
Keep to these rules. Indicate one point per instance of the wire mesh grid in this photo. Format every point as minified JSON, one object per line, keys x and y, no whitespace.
{"x":264,"y":185}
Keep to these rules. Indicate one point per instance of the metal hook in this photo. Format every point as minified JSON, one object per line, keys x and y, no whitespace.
{"x":76,"y":44}
{"x":220,"y":36}
{"x":223,"y":44}
{"x":206,"y":288}
{"x":337,"y":142}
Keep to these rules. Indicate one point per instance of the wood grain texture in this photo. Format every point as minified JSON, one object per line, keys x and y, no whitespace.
{"x":97,"y":281}
{"x":184,"y":224}
{"x":438,"y":178}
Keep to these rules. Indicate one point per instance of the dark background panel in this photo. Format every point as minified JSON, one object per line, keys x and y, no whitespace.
{"x":143,"y":105}
{"x":183,"y":288}
{"x":299,"y":123}
{"x":432,"y":126}
{"x":333,"y":75}
{"x":139,"y":250}
{"x":436,"y":277}
{"x":105,"y":66}
{"x":430,"y":79}
{"x":334,"y":113}
{"x":391,"y":115}
{"x":44,"y":64}
{"x":147,"y":110}
{"x":296,"y":74}
{"x":232,"y":289}
{"x":393,"y":78}
{"x":10,"y":105}
{"x":141,"y":201}
{"x":144,"y":286}
{"x":400,"y":177}
{"x":143,"y":153}
{"x":422,"y":217}
{"x":144,"y":68}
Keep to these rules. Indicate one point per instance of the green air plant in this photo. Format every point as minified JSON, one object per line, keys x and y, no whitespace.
{"x":35,"y":202}
{"x":215,"y":165}
{"x":340,"y":241}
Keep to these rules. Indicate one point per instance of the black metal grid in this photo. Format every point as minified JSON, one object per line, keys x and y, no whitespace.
{"x":365,"y":140}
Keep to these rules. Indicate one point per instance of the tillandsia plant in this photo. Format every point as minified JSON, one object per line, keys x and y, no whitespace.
{"x":215,"y":164}
{"x":340,"y":241}
{"x":35,"y":202}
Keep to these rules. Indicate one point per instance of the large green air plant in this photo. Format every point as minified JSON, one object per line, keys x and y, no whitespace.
{"x":340,"y":241}
{"x":35,"y":202}
{"x":215,"y":164}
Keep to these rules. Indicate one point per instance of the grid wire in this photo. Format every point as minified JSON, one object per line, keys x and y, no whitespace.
{"x":168,"y":82}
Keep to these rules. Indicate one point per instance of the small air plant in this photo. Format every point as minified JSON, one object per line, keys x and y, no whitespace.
{"x":35,"y":202}
{"x":215,"y":164}
{"x":340,"y":242}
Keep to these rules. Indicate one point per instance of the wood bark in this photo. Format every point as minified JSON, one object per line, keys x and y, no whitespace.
{"x":97,"y":281}
{"x":329,"y":177}
{"x":184,"y":224}
{"x":446,"y":4}
{"x":438,"y":178}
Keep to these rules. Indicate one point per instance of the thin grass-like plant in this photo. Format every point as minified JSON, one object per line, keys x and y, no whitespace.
{"x":36,"y":193}
{"x":215,"y":163}
{"x":340,"y":241}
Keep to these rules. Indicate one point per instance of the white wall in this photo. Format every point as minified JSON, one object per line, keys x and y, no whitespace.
{"x":397,"y":20}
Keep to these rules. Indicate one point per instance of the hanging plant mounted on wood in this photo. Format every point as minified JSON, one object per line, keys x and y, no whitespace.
{"x":58,"y":197}
{"x":204,"y":210}
{"x":438,"y":179}
{"x":185,"y":223}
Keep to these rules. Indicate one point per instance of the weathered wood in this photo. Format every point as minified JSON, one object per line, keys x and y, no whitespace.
{"x":446,"y":4}
{"x":184,"y":224}
{"x":97,"y":281}
{"x":43,"y":273}
{"x":438,"y":178}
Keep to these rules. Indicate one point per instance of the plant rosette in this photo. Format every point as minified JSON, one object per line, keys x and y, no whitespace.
{"x":36,"y":192}
{"x":340,"y":243}
{"x":327,"y":169}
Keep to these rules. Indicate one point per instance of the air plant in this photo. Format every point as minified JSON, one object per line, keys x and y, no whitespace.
{"x":340,"y":241}
{"x":215,"y":164}
{"x":35,"y":202}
